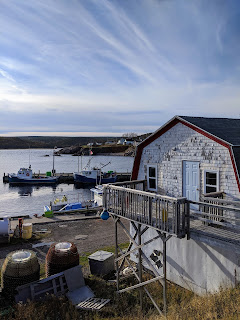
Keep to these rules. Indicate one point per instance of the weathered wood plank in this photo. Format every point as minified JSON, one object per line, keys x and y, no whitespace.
{"x":140,"y":284}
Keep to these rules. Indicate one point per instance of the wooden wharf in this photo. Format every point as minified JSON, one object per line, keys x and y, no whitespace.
{"x":68,"y":177}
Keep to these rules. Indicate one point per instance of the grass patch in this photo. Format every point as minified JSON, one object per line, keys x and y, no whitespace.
{"x":182,"y":304}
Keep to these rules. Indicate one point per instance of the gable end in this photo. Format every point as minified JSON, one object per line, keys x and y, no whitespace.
{"x":167,"y":127}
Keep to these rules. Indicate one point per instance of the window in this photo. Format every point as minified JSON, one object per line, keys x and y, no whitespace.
{"x":152,"y":177}
{"x":211,"y":181}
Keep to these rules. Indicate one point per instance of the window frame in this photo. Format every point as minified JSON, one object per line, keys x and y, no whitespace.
{"x":210,"y":185}
{"x":156,"y":177}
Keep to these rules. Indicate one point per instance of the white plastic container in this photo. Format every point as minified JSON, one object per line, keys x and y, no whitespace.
{"x":5,"y":226}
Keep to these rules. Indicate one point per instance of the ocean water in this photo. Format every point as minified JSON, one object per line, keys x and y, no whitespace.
{"x":29,"y":200}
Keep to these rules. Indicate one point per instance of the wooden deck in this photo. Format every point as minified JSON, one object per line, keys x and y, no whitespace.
{"x":162,"y":213}
{"x":217,"y":220}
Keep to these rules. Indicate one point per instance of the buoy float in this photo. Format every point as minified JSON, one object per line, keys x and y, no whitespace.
{"x":104,"y":215}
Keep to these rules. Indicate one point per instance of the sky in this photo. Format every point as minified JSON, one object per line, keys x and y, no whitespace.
{"x":108,"y":67}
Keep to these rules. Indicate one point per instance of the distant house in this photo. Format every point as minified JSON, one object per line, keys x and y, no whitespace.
{"x":128,"y":142}
{"x":109,"y":142}
{"x":191,"y":169}
{"x":121,"y":141}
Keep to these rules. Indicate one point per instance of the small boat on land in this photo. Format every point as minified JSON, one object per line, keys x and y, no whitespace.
{"x":64,"y":206}
{"x":25,"y":176}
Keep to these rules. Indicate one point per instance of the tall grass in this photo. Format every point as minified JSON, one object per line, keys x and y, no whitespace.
{"x":182,"y":304}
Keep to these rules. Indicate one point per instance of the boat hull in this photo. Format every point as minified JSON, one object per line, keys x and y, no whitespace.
{"x":78,"y":178}
{"x":45,"y":181}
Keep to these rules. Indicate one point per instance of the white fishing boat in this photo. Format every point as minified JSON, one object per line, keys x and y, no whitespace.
{"x":25,"y":176}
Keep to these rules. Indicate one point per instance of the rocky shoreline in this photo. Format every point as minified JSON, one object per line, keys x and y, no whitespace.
{"x":98,"y":150}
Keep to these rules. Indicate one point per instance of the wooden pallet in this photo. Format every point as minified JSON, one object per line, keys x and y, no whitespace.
{"x":92,"y":304}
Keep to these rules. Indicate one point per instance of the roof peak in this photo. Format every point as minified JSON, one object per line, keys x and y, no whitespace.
{"x":200,"y":117}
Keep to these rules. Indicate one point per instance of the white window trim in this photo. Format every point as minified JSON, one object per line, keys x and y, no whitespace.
{"x":152,"y":166}
{"x":204,"y":182}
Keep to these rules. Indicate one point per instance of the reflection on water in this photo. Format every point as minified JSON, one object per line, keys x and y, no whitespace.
{"x":27,"y":190}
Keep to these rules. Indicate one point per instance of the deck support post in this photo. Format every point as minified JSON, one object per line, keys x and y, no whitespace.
{"x":164,"y":241}
{"x":116,"y":252}
{"x":138,"y":246}
{"x":140,"y":266}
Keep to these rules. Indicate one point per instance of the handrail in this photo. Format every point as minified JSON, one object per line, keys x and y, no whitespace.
{"x":222,"y":201}
{"x":214,"y":194}
{"x":144,"y":193}
{"x":217,"y":206}
{"x":132,"y":182}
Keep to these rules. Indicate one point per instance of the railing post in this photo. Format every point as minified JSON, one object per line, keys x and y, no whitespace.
{"x":116,"y":252}
{"x":164,"y":274}
{"x":150,"y":210}
{"x":188,"y":219}
{"x":104,"y":197}
{"x":140,"y":266}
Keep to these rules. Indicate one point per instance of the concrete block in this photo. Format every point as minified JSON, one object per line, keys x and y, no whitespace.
{"x":101,"y":262}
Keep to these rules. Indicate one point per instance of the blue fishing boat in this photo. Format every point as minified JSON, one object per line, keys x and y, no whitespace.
{"x":94,"y":176}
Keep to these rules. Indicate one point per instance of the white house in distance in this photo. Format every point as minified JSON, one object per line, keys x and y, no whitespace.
{"x":121,"y":141}
{"x":194,"y":157}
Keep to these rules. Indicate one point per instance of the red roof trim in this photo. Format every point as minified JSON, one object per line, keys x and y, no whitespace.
{"x":145,"y":143}
{"x":168,"y":126}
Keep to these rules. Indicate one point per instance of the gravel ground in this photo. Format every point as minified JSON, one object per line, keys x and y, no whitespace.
{"x":88,"y":235}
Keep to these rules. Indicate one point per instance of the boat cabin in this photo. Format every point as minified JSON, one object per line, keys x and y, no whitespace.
{"x":25,"y":173}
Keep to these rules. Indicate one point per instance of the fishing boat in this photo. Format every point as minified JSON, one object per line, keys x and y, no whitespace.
{"x":94,"y":176}
{"x":25,"y":176}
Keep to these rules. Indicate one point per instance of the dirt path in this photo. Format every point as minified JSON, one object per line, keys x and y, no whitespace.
{"x":88,"y":235}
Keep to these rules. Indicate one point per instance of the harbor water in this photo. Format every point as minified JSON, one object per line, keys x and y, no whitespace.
{"x":30,"y":200}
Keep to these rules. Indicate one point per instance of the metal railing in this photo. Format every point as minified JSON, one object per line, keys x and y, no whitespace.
{"x":166,"y":214}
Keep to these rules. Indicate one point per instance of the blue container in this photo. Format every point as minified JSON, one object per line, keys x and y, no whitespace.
{"x":104,"y":215}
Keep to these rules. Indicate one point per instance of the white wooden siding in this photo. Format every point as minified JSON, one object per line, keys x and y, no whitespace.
{"x":183,"y":143}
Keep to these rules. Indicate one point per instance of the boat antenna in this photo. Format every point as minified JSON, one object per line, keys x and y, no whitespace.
{"x":53,"y":160}
{"x":104,"y":165}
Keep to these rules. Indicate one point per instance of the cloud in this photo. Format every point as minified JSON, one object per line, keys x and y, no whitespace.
{"x":116,"y":65}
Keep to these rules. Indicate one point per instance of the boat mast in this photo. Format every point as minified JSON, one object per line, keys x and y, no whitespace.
{"x":29,"y":156}
{"x":81,"y":150}
{"x":53,"y":170}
